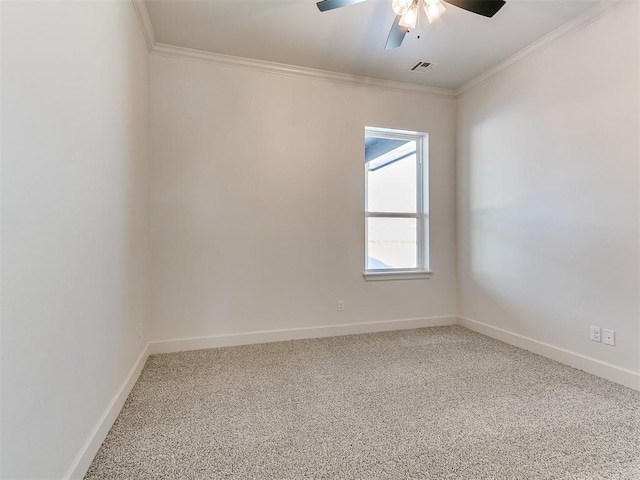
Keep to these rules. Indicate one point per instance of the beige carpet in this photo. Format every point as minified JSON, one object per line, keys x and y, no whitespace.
{"x":435,"y":403}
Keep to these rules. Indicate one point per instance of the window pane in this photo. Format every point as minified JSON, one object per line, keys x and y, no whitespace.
{"x":392,"y":243}
{"x":391,"y":181}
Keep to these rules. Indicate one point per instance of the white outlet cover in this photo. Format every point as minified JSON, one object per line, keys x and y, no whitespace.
{"x":595,"y":334}
{"x":609,"y":337}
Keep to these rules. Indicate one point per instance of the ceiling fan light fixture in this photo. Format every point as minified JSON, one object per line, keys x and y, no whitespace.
{"x":433,"y":9}
{"x":400,"y":7}
{"x":410,"y":17}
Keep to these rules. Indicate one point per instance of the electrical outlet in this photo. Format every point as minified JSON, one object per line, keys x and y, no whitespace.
{"x":595,"y":334}
{"x":341,"y":305}
{"x":609,"y":337}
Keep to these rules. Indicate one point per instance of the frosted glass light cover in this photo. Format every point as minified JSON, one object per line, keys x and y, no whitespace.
{"x":433,"y":10}
{"x":410,"y":17}
{"x":401,"y":6}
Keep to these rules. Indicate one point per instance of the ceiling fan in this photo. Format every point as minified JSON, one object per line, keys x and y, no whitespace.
{"x":407,"y":13}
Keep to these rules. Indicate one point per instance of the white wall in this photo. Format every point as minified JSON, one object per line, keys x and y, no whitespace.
{"x":257,"y":199}
{"x":75,"y":79}
{"x":548,"y":182}
{"x":256,"y":206}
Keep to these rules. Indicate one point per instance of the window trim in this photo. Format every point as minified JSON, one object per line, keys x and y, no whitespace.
{"x":422,"y":209}
{"x":397,"y":274}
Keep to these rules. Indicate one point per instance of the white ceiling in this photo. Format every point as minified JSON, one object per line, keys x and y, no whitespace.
{"x":351,"y":39}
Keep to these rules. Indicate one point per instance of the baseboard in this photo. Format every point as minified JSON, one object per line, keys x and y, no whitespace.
{"x":83,"y":461}
{"x":86,"y":455}
{"x":601,"y":369}
{"x":230,"y":340}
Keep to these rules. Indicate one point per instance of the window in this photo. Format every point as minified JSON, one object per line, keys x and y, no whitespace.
{"x":396,"y":205}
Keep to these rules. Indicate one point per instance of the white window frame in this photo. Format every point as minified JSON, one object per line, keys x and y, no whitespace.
{"x":422,"y":211}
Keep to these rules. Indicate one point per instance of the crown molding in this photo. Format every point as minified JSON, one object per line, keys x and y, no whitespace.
{"x":580,"y":21}
{"x":144,"y":19}
{"x":294,"y":71}
{"x":161,"y":49}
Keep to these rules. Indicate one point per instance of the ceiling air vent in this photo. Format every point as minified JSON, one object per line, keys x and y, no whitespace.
{"x":422,"y":67}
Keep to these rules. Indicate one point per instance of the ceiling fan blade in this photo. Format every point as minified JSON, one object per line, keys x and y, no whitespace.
{"x":487,"y":8}
{"x":396,"y":35}
{"x":331,"y":4}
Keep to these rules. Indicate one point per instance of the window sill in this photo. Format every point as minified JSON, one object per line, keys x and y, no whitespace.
{"x":396,"y":275}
